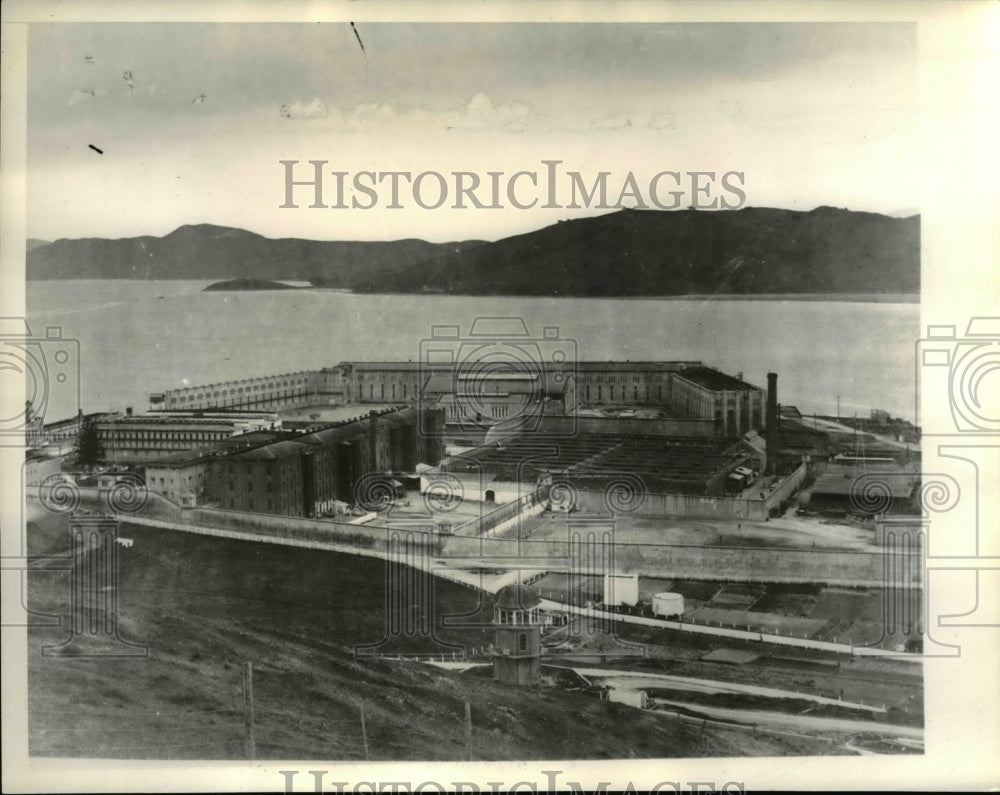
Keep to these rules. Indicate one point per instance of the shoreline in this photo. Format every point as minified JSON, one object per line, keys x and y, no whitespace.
{"x":868,"y":298}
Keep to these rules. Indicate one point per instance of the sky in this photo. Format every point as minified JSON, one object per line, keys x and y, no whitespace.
{"x":191,"y":120}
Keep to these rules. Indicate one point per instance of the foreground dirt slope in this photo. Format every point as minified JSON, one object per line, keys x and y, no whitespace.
{"x":204,"y":606}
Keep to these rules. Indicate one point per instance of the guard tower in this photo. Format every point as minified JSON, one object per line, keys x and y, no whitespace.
{"x":517,"y":636}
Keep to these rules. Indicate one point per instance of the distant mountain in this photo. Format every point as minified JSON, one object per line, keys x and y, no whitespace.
{"x":751,"y":251}
{"x":683,"y":252}
{"x":205,"y":251}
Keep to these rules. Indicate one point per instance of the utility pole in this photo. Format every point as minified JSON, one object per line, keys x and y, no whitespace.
{"x":364,"y":733}
{"x":838,"y":408}
{"x":468,"y":730}
{"x":248,"y":716}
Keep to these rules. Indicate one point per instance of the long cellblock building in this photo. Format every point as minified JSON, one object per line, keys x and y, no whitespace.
{"x":285,"y":390}
{"x":595,"y":383}
{"x":686,"y":388}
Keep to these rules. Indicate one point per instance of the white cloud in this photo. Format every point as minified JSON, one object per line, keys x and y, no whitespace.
{"x":482,"y":113}
{"x":84,"y":95}
{"x":611,"y":123}
{"x":662,"y":121}
{"x":316,"y":109}
{"x":368,"y":113}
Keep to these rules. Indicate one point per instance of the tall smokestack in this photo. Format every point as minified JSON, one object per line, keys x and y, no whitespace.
{"x":771,"y":422}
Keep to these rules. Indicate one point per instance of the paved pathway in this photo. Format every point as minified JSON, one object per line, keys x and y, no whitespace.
{"x":740,"y":634}
{"x":627,"y":680}
{"x":803,"y":722}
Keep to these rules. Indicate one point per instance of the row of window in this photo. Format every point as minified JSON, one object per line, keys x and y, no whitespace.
{"x":163,"y":436}
{"x":619,"y":378}
{"x":235,"y":391}
{"x":268,"y":485}
{"x":514,"y":617}
{"x":379,"y":376}
{"x":622,"y":394}
{"x":382,"y":395}
{"x":240,"y":390}
{"x":282,"y":478}
{"x":163,"y":481}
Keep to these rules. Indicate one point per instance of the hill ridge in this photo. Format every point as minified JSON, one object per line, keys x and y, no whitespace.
{"x":625,"y":253}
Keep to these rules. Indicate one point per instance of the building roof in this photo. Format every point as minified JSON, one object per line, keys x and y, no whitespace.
{"x":346,"y":431}
{"x":342,"y":433}
{"x":71,"y":422}
{"x":755,"y":441}
{"x":230,"y":445}
{"x":516,"y":597}
{"x":661,"y":464}
{"x":132,"y":421}
{"x":218,"y":415}
{"x":250,"y":439}
{"x":794,"y":433}
{"x":496,"y":383}
{"x":184,"y":458}
{"x":350,"y":429}
{"x":715,"y":380}
{"x":236,"y":382}
{"x":628,"y":366}
{"x":588,"y":365}
{"x":269,"y":451}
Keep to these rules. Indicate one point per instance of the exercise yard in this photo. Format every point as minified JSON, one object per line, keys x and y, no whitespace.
{"x":783,"y":532}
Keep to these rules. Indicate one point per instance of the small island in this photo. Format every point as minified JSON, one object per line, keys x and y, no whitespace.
{"x":249,"y":284}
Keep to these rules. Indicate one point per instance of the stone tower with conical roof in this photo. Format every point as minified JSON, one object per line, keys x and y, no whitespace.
{"x":517,"y":643}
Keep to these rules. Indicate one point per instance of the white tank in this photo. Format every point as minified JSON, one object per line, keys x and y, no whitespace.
{"x":668,"y":604}
{"x":621,"y":589}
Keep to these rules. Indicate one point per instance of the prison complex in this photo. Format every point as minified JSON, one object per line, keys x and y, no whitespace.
{"x":302,"y":444}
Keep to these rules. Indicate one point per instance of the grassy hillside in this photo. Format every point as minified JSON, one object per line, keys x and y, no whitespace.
{"x":753,"y":251}
{"x":205,"y":251}
{"x":652,"y":253}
